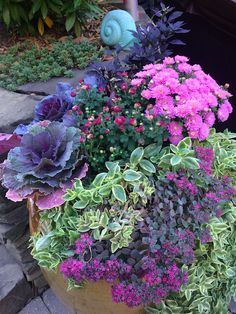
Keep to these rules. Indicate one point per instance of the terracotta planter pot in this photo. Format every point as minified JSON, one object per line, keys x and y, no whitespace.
{"x":93,"y":298}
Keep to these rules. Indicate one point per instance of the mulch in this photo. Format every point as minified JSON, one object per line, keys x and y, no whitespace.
{"x":91,"y":32}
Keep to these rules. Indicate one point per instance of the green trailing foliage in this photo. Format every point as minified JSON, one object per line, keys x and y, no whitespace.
{"x":116,"y":184}
{"x":23,"y":63}
{"x":174,"y":157}
{"x":224,"y":145}
{"x":117,"y":193}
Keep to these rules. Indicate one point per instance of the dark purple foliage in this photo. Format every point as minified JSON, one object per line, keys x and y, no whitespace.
{"x":105,"y":74}
{"x":178,"y":212}
{"x":153,"y":40}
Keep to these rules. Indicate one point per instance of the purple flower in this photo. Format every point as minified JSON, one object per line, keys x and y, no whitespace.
{"x":224,"y":111}
{"x":53,"y":107}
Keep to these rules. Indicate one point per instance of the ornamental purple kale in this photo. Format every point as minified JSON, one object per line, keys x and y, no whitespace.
{"x":53,"y":107}
{"x":46,"y":160}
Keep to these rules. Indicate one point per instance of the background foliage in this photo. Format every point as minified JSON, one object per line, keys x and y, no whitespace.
{"x":30,"y":15}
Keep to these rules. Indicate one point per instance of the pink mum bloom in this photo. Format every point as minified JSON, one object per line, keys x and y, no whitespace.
{"x":137,"y":82}
{"x":209,"y":119}
{"x":223,"y":112}
{"x":169,"y":60}
{"x":193,"y":123}
{"x":146,"y":93}
{"x":203,"y":132}
{"x":175,"y":128}
{"x":181,"y":59}
{"x":160,"y":91}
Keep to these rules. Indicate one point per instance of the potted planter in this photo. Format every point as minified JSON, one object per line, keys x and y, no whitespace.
{"x":141,"y":230}
{"x":94,"y":298}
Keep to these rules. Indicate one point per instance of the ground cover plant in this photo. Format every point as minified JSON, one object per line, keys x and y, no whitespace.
{"x":133,"y":185}
{"x":25,"y":63}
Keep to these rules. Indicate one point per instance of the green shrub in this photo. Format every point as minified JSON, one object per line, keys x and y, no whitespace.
{"x":30,"y":15}
{"x":23,"y":64}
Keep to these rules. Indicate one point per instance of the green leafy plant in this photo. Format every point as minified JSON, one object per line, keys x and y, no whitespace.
{"x":78,"y":12}
{"x":224,"y":145}
{"x":110,"y":225}
{"x":118,"y":191}
{"x":28,"y":15}
{"x":58,"y":228}
{"x":175,"y":157}
{"x":116,"y":184}
{"x":23,"y":63}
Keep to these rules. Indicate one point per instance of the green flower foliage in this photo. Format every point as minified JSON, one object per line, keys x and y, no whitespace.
{"x":179,"y":156}
{"x":118,"y":191}
{"x":224,"y":145}
{"x":58,"y":229}
{"x":23,"y":63}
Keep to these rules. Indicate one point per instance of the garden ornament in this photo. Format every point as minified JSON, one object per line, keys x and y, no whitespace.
{"x":116,"y":29}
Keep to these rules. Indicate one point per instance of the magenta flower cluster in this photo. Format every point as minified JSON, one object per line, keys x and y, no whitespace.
{"x":206,"y":156}
{"x":186,"y":97}
{"x":154,"y":281}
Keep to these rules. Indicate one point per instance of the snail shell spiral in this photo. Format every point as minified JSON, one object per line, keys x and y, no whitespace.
{"x":116,"y":27}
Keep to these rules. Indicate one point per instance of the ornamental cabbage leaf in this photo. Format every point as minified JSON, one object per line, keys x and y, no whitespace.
{"x":53,"y":107}
{"x":47,"y":158}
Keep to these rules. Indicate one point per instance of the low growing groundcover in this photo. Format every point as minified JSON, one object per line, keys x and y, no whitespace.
{"x":24,"y":62}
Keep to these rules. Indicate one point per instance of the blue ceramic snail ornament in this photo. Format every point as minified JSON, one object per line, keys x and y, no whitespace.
{"x":116,"y":27}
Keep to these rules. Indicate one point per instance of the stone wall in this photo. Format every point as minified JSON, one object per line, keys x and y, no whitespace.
{"x":20,"y":275}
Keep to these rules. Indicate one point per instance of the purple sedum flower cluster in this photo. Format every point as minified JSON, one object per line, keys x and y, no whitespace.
{"x":149,"y":284}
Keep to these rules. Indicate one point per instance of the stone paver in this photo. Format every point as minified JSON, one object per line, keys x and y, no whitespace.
{"x":5,"y":257}
{"x":49,"y":87}
{"x":15,"y":108}
{"x":15,"y":291}
{"x":53,"y":304}
{"x":36,"y":306}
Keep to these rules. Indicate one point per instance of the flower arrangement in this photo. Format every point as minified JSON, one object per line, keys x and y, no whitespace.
{"x":152,"y":195}
{"x":134,"y":186}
